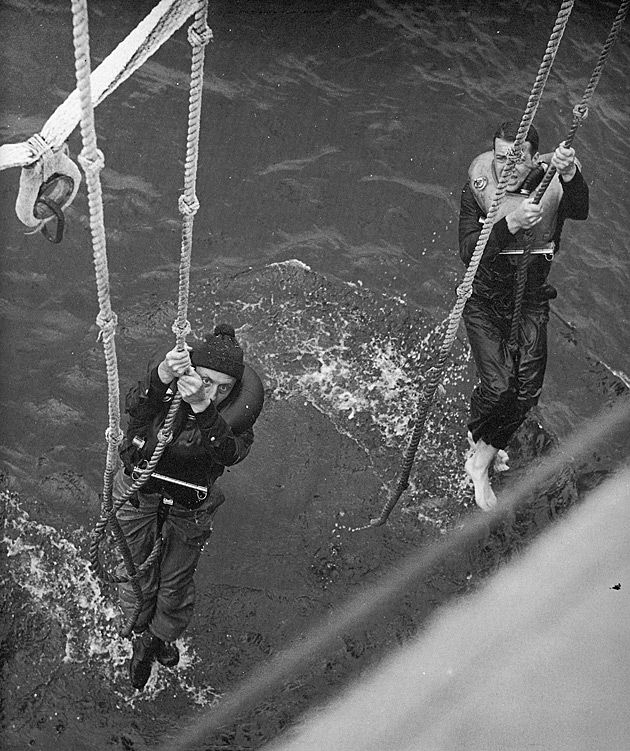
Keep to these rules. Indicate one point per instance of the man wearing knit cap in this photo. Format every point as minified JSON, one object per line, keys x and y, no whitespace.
{"x":179,"y":500}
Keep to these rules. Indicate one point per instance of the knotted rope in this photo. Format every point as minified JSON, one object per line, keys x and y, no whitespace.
{"x":199,"y":35}
{"x":92,"y":161}
{"x":580,"y":113}
{"x":464,"y":291}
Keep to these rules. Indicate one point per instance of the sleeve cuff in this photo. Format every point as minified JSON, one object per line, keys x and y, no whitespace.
{"x":575,"y":180}
{"x":155,"y":385}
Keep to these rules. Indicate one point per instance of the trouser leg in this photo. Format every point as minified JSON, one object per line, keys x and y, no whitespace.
{"x":139,"y":526}
{"x":184,"y":534}
{"x":533,"y":354}
{"x":507,"y":390}
{"x":494,"y":413}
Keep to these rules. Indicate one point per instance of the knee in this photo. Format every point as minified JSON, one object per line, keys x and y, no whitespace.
{"x":177,"y":599}
{"x":496,"y":392}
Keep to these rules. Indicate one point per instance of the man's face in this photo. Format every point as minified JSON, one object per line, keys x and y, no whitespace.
{"x":521,"y":169}
{"x":218,"y":385}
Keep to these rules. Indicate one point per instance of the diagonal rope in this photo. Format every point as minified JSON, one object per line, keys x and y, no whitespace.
{"x":580,"y":113}
{"x":134,"y":50}
{"x":464,"y":290}
{"x":283,"y":668}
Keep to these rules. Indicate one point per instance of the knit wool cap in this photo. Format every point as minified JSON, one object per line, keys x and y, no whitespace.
{"x":220,"y":351}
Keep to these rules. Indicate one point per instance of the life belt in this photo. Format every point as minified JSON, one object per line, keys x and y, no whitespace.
{"x":47,"y":187}
{"x":242,"y":410}
{"x":483,"y":184}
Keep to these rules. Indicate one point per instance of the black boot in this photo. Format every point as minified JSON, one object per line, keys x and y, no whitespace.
{"x":144,"y":652}
{"x":167,"y":654}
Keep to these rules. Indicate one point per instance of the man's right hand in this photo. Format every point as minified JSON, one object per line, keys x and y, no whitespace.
{"x":175,"y":364}
{"x":524,"y":216}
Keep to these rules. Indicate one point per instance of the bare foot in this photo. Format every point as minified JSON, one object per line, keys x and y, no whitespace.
{"x":477,"y":466}
{"x":501,"y":461}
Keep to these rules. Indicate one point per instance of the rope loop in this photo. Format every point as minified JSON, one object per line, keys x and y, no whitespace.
{"x":107,"y":323}
{"x":38,"y":146}
{"x":92,"y":166}
{"x":114,"y":436}
{"x":580,"y":112}
{"x":464,"y":291}
{"x":515,"y":153}
{"x":199,"y":37}
{"x":188,"y":206}
{"x":165,"y":436}
{"x":181,"y":331}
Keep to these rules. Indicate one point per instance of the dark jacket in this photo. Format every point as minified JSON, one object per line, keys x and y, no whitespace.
{"x":496,"y":274}
{"x":203,"y":443}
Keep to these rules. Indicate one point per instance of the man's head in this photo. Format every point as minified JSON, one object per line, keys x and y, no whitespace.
{"x":218,"y":360}
{"x":503,"y":141}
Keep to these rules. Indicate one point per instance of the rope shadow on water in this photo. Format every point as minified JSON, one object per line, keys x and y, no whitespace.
{"x":608,"y":426}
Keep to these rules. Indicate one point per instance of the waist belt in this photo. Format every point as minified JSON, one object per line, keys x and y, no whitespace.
{"x":202,"y":490}
{"x":545,"y":250}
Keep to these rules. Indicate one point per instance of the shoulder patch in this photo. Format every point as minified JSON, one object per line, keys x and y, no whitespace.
{"x":479,"y":183}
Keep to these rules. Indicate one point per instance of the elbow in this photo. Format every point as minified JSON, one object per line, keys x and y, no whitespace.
{"x":465,"y":252}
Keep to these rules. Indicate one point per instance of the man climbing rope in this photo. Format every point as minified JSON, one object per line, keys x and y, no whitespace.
{"x":180,"y":499}
{"x":511,"y":374}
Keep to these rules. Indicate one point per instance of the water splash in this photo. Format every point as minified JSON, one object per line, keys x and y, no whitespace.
{"x":55,"y":575}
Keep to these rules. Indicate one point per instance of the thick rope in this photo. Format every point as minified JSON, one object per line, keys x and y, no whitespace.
{"x":464,"y":291}
{"x":142,"y":42}
{"x":313,"y":646}
{"x":92,"y":161}
{"x":199,"y":35}
{"x":580,"y":113}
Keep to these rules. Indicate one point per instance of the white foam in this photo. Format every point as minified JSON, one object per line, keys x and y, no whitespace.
{"x":58,"y":579}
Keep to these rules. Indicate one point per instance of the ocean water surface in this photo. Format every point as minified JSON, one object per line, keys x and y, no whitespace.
{"x":336,"y":138}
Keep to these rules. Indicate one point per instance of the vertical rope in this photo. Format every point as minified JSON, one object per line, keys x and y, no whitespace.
{"x":464,"y":291}
{"x":92,"y":161}
{"x":199,"y":35}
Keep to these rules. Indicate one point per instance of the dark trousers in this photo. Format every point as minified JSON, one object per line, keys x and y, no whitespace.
{"x":509,"y":383}
{"x":168,"y":586}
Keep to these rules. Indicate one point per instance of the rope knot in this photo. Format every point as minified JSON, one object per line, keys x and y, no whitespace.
{"x":114,"y":436}
{"x":107,"y":323}
{"x":38,"y":146}
{"x":181,"y":330}
{"x":199,"y":37}
{"x":90,"y":165}
{"x":464,"y":291}
{"x":515,"y":154}
{"x":188,"y":206}
{"x":580,"y":112}
{"x":165,"y":436}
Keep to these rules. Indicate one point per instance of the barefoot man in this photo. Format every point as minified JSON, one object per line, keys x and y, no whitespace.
{"x":510,"y":382}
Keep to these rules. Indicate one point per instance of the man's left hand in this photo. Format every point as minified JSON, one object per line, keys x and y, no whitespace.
{"x":190,"y":386}
{"x":563,"y":160}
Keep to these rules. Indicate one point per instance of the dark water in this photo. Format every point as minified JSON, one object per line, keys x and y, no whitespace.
{"x":337,"y":134}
